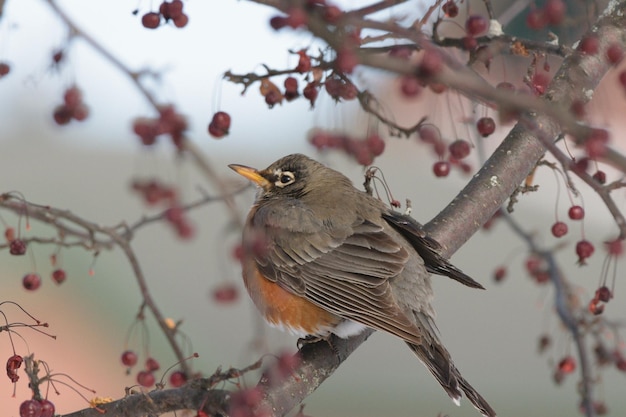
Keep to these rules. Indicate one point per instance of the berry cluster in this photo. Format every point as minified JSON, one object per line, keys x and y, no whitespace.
{"x":297,"y":17}
{"x":566,"y":366}
{"x":37,"y":408}
{"x":456,"y":151}
{"x":168,"y":11}
{"x":169,"y":123}
{"x":72,"y":107}
{"x":153,"y":192}
{"x":362,"y":150}
{"x":552,"y":13}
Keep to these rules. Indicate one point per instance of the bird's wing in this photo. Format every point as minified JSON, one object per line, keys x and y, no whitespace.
{"x":347,"y":276}
{"x":428,"y":248}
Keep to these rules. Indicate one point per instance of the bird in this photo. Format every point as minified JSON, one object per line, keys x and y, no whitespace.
{"x":333,"y":259}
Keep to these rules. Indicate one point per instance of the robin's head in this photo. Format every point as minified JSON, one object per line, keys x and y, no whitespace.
{"x":293,"y":176}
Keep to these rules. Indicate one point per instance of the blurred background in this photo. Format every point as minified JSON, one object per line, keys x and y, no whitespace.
{"x":87,"y":168}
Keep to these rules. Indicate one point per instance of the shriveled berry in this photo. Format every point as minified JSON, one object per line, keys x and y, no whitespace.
{"x":151,"y":20}
{"x":31,"y":281}
{"x":129,"y":358}
{"x":441,"y":168}
{"x":576,"y":212}
{"x":559,"y":229}
{"x":450,"y":8}
{"x":310,"y":92}
{"x":603,"y":294}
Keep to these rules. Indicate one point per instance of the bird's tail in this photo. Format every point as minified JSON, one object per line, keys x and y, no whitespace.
{"x":439,"y":363}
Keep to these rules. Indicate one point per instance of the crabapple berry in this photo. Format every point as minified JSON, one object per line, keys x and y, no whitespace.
{"x":177,"y":379}
{"x":485,"y":126}
{"x":310,"y":92}
{"x":5,"y":68}
{"x":58,"y":275}
{"x":589,"y":45}
{"x":375,"y":144}
{"x":614,"y":53}
{"x":554,"y":11}
{"x":559,"y":229}
{"x":225,"y":293}
{"x":220,"y":124}
{"x":499,"y":274}
{"x":450,"y":9}
{"x":536,"y":19}
{"x":73,"y":97}
{"x":17,"y":247}
{"x":62,"y":114}
{"x":603,"y":294}
{"x":145,"y":378}
{"x":31,"y":281}
{"x":476,"y":24}
{"x":595,"y":307}
{"x":567,"y":365}
{"x":584,"y":250}
{"x":600,"y":176}
{"x":129,"y":358}
{"x":410,"y":86}
{"x":151,"y":20}
{"x":576,"y":212}
{"x":152,"y":364}
{"x":47,"y":408}
{"x":441,"y":168}
{"x":30,"y":408}
{"x":459,"y":149}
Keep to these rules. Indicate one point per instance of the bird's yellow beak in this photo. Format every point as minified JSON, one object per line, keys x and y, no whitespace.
{"x":250,"y":173}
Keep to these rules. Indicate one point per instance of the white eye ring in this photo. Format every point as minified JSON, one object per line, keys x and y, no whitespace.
{"x":284,"y":178}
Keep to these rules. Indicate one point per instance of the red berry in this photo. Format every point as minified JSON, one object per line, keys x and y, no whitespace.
{"x":604,"y":294}
{"x":47,"y":408}
{"x":476,"y":25}
{"x":589,"y":45}
{"x":554,"y":11}
{"x":304,"y":62}
{"x":80,"y":113}
{"x":459,"y":149}
{"x":533,"y":264}
{"x":177,"y":379}
{"x":31,"y":281}
{"x":535,"y":19}
{"x":291,"y":88}
{"x":499,"y":274}
{"x":220,"y":124}
{"x":441,"y":168}
{"x":62,"y":114}
{"x":9,"y":234}
{"x":375,"y":144}
{"x":620,"y":363}
{"x":129,"y":358}
{"x":429,"y":134}
{"x":485,"y":126}
{"x":596,"y":143}
{"x":152,"y":364}
{"x":410,"y":86}
{"x":431,"y":63}
{"x":576,"y":213}
{"x":437,"y":88}
{"x":559,"y":229}
{"x":450,"y":8}
{"x":469,"y":43}
{"x":567,"y":365}
{"x":225,"y":293}
{"x":296,"y":17}
{"x":146,"y":379}
{"x":332,"y":13}
{"x":614,"y":53}
{"x":73,"y":97}
{"x":278,"y":22}
{"x":584,"y":250}
{"x":151,"y":20}
{"x":5,"y":68}
{"x":58,"y":275}
{"x":17,"y":247}
{"x":540,"y":82}
{"x":181,"y":20}
{"x":600,"y":176}
{"x":615,"y":247}
{"x":346,"y":60}
{"x":310,"y":92}
{"x":595,"y":307}
{"x":30,"y":408}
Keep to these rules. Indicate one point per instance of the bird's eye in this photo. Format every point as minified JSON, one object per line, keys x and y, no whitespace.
{"x":285,"y":178}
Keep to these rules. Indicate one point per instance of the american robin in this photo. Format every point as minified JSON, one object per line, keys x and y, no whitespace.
{"x":337,"y":260}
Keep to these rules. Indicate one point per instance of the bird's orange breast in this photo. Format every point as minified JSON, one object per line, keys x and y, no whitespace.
{"x":285,"y":310}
